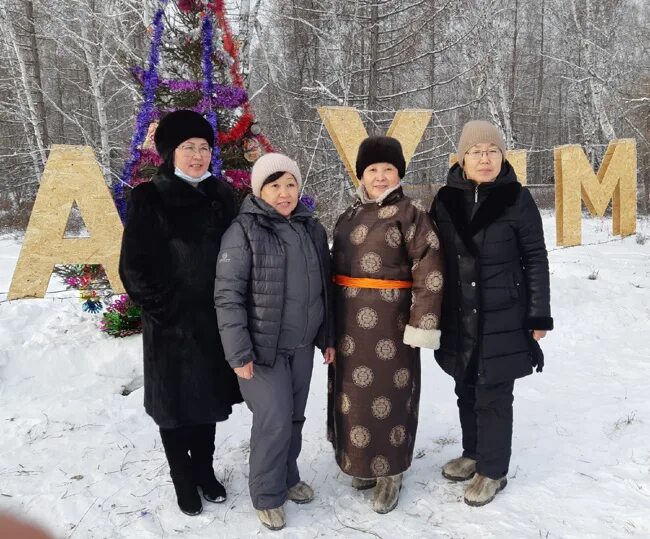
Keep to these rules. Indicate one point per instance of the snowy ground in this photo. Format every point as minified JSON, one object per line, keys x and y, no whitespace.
{"x":85,"y":461}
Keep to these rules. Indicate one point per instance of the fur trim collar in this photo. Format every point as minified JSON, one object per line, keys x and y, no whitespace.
{"x":362,"y":195}
{"x":176,"y":192}
{"x":500,"y":197}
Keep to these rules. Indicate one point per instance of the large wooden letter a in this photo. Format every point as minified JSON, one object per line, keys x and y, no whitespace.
{"x":575,"y":181}
{"x":71,"y":175}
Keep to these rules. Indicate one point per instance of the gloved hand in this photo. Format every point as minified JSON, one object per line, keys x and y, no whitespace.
{"x":536,"y":354}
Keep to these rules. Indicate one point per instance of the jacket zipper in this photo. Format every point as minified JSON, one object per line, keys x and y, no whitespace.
{"x":476,"y":194}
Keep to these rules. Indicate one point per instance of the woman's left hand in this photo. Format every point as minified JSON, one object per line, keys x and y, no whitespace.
{"x":329,"y":356}
{"x":539,"y":334}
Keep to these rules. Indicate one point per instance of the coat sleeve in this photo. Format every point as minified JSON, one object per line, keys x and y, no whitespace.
{"x":143,"y":253}
{"x":530,"y":236}
{"x":231,"y":295}
{"x":423,"y":246}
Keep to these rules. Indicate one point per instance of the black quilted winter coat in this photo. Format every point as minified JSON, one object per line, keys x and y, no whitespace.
{"x":497,"y":278}
{"x":169,"y":252}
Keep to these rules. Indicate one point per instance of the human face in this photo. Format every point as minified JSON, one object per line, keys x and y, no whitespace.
{"x":193,"y":156}
{"x":379,"y":177}
{"x":282,"y":194}
{"x":482,"y":163}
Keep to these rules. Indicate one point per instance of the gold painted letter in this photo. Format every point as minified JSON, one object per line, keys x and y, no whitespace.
{"x":575,"y":181}
{"x":347,"y":131}
{"x":71,"y":175}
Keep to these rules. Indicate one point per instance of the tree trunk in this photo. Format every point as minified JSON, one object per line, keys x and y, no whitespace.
{"x":36,"y":71}
{"x":373,"y":53}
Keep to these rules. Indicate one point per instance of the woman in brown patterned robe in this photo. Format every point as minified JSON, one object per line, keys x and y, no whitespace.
{"x":388,"y":271}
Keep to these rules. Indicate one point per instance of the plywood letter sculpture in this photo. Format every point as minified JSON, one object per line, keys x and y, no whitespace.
{"x":71,"y":175}
{"x":575,"y":181}
{"x":346,"y":129}
{"x":517,"y":158}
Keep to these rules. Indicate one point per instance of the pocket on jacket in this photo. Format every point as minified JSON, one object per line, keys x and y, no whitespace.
{"x":513,"y":286}
{"x":500,"y":295}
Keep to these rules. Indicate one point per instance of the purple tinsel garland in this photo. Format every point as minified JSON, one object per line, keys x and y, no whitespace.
{"x":208,"y":90}
{"x":308,"y":201}
{"x":150,"y":80}
{"x":228,"y":97}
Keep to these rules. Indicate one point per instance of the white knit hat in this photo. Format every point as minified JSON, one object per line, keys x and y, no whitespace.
{"x":271,"y":163}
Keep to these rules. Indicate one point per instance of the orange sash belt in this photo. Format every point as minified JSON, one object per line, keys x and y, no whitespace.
{"x":365,"y":282}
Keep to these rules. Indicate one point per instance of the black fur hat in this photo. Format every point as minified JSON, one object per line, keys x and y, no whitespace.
{"x":176,"y":127}
{"x":380,"y":150}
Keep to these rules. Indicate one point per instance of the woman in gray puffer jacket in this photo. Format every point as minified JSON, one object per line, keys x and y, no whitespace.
{"x":273,"y":301}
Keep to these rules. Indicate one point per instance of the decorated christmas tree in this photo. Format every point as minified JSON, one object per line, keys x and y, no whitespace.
{"x":193,"y":64}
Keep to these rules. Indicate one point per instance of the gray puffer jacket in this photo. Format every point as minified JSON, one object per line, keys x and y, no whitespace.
{"x":256,"y":312}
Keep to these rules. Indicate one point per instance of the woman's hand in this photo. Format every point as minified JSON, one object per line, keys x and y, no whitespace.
{"x":329,"y":356}
{"x":245,"y":372}
{"x":539,"y":334}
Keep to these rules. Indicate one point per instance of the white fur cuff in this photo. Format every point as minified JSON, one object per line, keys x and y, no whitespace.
{"x":422,"y":338}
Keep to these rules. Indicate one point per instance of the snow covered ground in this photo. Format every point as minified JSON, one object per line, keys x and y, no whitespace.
{"x":83,"y":460}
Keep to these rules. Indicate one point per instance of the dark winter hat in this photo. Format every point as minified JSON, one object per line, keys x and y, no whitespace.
{"x":479,"y":132}
{"x":380,"y":150}
{"x":176,"y":127}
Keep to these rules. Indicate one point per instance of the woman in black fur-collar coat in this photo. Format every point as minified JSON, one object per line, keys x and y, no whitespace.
{"x":496,"y":303}
{"x":168,"y":264}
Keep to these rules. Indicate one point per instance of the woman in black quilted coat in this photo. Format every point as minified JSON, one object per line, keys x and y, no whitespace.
{"x":169,"y":252}
{"x":496,"y":304}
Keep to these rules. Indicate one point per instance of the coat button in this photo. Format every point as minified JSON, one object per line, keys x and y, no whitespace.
{"x":458,"y":283}
{"x":215,"y":204}
{"x":474,"y":311}
{"x":460,"y":309}
{"x":473,"y":283}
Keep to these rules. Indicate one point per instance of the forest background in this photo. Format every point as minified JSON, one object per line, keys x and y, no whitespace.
{"x":549,"y":72}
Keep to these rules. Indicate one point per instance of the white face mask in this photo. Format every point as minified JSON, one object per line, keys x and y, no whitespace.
{"x":189,"y":179}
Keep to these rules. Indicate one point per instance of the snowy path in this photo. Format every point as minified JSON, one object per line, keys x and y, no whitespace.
{"x":85,"y":461}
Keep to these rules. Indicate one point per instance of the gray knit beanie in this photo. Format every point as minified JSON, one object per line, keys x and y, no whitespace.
{"x":479,"y":132}
{"x":271,"y":163}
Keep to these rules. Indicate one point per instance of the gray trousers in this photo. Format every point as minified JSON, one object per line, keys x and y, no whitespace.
{"x":277,"y":396}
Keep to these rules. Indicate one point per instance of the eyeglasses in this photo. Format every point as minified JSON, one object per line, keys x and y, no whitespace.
{"x":492,"y":154}
{"x":189,"y":150}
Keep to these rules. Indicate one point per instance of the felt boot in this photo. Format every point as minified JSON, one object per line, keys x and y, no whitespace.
{"x":363,"y":484}
{"x":387,"y":493}
{"x":273,"y":519}
{"x":481,"y":490}
{"x":460,"y":469}
{"x":301,"y":492}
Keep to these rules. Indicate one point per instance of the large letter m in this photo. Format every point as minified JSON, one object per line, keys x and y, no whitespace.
{"x":575,"y":181}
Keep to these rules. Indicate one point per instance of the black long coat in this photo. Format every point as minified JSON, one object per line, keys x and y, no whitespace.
{"x":168,"y":262}
{"x":497,"y":280}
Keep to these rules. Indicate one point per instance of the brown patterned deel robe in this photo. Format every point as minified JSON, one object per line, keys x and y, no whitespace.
{"x":374,"y":386}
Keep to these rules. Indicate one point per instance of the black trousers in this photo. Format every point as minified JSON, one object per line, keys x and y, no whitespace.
{"x":189,"y":452}
{"x":485,"y":412}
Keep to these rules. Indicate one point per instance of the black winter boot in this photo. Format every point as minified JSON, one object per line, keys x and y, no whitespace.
{"x":202,"y":451}
{"x":176,"y":443}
